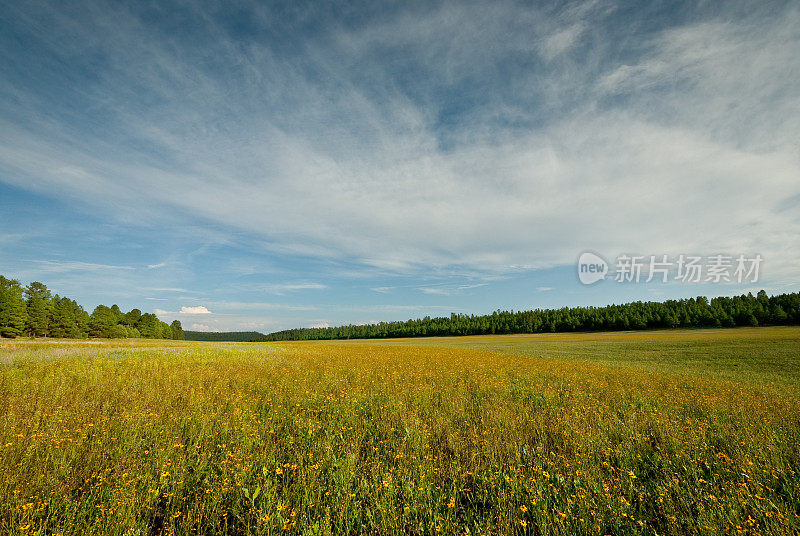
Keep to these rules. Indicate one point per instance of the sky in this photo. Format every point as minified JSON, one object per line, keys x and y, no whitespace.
{"x":267,"y":165}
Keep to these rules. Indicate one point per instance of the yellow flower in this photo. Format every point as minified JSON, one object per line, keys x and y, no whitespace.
{"x":523,"y":508}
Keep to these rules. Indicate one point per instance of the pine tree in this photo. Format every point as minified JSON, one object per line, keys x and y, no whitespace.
{"x":148,"y":326}
{"x":39,"y":309}
{"x":103,"y":322}
{"x":13,"y":314}
{"x":63,"y":322}
{"x":177,"y":330}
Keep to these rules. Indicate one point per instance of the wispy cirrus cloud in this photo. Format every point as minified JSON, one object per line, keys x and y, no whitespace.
{"x":51,"y":266}
{"x":283,"y":288}
{"x":328,"y":159}
{"x":381,"y":290}
{"x":167,"y":289}
{"x":449,"y":289}
{"x":263,"y":306}
{"x":185,"y":310}
{"x":415,"y":140}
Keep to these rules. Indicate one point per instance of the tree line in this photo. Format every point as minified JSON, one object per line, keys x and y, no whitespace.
{"x":700,"y":312}
{"x":34,"y":311}
{"x":226,"y":336}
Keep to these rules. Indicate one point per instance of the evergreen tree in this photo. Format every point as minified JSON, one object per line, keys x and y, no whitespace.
{"x":63,"y":322}
{"x":13,"y":314}
{"x":132,"y":317}
{"x":39,"y":309}
{"x":103,"y":322}
{"x":177,"y":330}
{"x":148,"y":326}
{"x":745,"y":310}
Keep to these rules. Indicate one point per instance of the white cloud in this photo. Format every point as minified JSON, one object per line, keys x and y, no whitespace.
{"x":395,"y":309}
{"x":283,"y":288}
{"x":76,"y":266}
{"x":562,"y":40}
{"x":687,"y":145}
{"x":154,"y":266}
{"x":167,"y":289}
{"x":322,"y":324}
{"x":366,"y":323}
{"x":253,"y":325}
{"x":381,"y":290}
{"x":204,"y":327}
{"x":449,"y":289}
{"x":255,"y":306}
{"x":544,"y":289}
{"x":195,"y":310}
{"x":190,"y":310}
{"x":434,"y":290}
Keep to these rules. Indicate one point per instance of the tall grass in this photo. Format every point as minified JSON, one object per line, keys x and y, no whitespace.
{"x":335,"y":438}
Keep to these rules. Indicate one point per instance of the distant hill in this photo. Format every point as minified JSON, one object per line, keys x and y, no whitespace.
{"x":225,"y":336}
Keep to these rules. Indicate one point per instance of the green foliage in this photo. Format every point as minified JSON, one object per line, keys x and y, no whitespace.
{"x":39,"y":309}
{"x":13,"y":314}
{"x":745,"y":310}
{"x":177,"y":330}
{"x":35,"y":312}
{"x":220,"y":336}
{"x":102,"y":322}
{"x":68,"y":320}
{"x":148,"y":326}
{"x":132,"y":317}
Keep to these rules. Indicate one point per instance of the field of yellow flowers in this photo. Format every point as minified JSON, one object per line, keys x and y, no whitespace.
{"x":694,"y":432}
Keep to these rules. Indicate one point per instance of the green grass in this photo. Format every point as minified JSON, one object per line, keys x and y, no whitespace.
{"x":750,"y":355}
{"x":673,"y":432}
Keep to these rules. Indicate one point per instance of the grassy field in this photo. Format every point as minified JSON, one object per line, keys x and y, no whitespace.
{"x":673,"y":432}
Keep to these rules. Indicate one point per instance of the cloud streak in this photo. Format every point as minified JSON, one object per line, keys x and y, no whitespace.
{"x":52,"y":267}
{"x":283,"y":288}
{"x":452,"y":135}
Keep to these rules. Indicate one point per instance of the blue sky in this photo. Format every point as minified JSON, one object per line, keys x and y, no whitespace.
{"x":248,"y":165}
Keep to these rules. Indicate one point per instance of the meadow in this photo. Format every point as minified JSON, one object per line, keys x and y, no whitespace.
{"x":656,"y":433}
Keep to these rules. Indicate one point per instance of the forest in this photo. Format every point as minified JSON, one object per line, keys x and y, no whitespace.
{"x":225,"y":336}
{"x":700,"y":312}
{"x":33,"y":311}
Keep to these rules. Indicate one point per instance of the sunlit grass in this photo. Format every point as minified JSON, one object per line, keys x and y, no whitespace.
{"x":553,"y":435}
